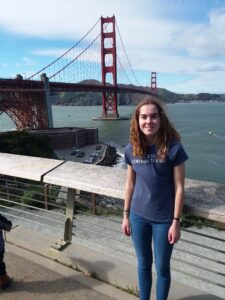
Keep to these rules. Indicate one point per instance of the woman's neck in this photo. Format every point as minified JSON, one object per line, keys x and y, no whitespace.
{"x":151,"y":140}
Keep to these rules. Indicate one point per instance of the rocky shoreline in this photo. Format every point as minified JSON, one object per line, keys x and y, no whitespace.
{"x":109,"y":157}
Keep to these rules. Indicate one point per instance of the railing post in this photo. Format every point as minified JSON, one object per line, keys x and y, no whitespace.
{"x":7,"y":189}
{"x":45,"y":81}
{"x":67,"y":237}
{"x":93,"y":203}
{"x":77,"y":195}
{"x":46,"y":195}
{"x":69,"y":215}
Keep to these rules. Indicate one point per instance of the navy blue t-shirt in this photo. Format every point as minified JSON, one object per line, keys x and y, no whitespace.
{"x":154,"y":192}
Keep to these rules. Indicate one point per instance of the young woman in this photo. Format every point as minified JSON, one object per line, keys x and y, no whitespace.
{"x":154,"y":193}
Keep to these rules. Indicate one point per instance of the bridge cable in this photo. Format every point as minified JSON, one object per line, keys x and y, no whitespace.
{"x":78,"y":54}
{"x":127,"y":55}
{"x":76,"y":57}
{"x":64,"y":52}
{"x":128,"y":79}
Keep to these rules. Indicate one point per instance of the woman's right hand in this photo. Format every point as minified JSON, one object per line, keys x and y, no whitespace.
{"x":126,"y":227}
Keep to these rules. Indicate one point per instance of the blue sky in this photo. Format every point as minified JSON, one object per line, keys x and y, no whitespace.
{"x":182,"y":40}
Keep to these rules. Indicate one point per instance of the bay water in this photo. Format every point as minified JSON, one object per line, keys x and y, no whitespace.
{"x":201,"y":125}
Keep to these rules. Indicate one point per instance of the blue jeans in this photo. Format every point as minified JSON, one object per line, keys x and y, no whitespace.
{"x":2,"y":251}
{"x":143,"y":232}
{"x":2,"y":264}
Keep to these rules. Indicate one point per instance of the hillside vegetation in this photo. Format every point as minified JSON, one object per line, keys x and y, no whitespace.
{"x":25,"y":143}
{"x":91,"y":98}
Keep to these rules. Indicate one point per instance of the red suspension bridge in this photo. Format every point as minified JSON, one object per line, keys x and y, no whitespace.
{"x":95,"y":56}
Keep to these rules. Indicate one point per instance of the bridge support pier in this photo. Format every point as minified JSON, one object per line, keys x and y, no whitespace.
{"x":24,"y":102}
{"x":45,"y":80}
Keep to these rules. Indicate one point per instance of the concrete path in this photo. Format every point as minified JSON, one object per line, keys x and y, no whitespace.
{"x":36,"y":277}
{"x":40,"y":277}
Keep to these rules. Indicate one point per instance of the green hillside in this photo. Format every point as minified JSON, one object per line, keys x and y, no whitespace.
{"x":127,"y":98}
{"x":25,"y":143}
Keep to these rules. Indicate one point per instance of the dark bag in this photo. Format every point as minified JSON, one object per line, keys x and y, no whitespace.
{"x":5,"y":224}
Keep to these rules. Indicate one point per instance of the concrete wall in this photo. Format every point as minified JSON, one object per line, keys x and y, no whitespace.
{"x":70,"y":137}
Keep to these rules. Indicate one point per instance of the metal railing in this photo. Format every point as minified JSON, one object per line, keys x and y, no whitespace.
{"x":94,"y":220}
{"x":30,"y":202}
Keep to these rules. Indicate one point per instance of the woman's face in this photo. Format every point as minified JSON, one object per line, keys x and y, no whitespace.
{"x":149,"y":121}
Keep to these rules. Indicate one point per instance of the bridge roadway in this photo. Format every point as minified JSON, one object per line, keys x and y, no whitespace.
{"x":34,"y":86}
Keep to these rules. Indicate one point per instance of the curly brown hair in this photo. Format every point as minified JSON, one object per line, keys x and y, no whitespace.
{"x":165,"y":134}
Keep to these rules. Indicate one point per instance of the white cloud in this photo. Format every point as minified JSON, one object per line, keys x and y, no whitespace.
{"x":57,"y":18}
{"x":204,"y":40}
{"x":50,"y":52}
{"x":207,"y":82}
{"x":210,"y":67}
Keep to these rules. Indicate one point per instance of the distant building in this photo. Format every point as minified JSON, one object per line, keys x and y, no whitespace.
{"x":68,"y":137}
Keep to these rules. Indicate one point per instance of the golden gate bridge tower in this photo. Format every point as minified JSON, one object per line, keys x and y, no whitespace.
{"x":109,"y":67}
{"x":109,"y":99}
{"x":153,"y":88}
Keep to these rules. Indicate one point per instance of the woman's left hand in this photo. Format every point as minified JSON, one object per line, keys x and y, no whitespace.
{"x":174,"y":232}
